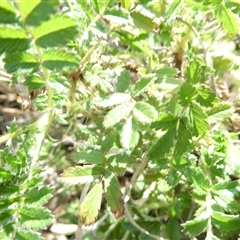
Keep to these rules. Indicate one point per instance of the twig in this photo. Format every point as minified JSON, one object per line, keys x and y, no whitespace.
{"x":208,"y":59}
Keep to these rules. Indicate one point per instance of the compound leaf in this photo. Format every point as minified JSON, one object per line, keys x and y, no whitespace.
{"x":92,"y":157}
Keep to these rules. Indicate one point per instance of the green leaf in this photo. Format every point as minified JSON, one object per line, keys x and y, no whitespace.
{"x":13,"y":39}
{"x":57,"y":31}
{"x":129,"y":136}
{"x":57,"y":60}
{"x":37,"y":196}
{"x":108,"y":142}
{"x":113,"y":194}
{"x":199,"y":118}
{"x":111,"y":100}
{"x":199,"y":179}
{"x":165,"y":72}
{"x":195,"y":227}
{"x":193,"y":72}
{"x":93,"y":157}
{"x":142,"y":84}
{"x":142,"y":21}
{"x":228,"y":19}
{"x":226,"y":222}
{"x":34,"y":82}
{"x":89,"y":208}
{"x":206,"y":97}
{"x":172,"y":177}
{"x":20,"y":62}
{"x":144,"y":112}
{"x":184,"y":136}
{"x":37,"y":11}
{"x":219,"y":112}
{"x":126,"y":4}
{"x":233,"y":186}
{"x":117,"y":114}
{"x":123,"y":81}
{"x":163,"y":145}
{"x":117,"y":16}
{"x":173,"y":223}
{"x":172,"y":10}
{"x":7,"y":12}
{"x":118,"y":163}
{"x":35,"y":218}
{"x":187,"y":93}
{"x":81,"y":175}
{"x":164,"y":122}
{"x":27,"y":235}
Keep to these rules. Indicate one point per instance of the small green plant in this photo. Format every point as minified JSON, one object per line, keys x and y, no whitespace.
{"x":145,"y":78}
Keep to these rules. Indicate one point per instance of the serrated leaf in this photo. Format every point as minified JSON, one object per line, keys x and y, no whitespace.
{"x":35,"y":218}
{"x":226,"y":222}
{"x":233,"y":186}
{"x":37,"y":11}
{"x":34,"y":82}
{"x":57,"y":31}
{"x":206,"y":97}
{"x":228,"y":19}
{"x":12,"y":40}
{"x":163,"y":145}
{"x":219,"y":112}
{"x":27,"y":235}
{"x":89,"y":208}
{"x":37,"y":196}
{"x":142,"y":21}
{"x":193,"y":72}
{"x":117,"y":16}
{"x":113,"y":194}
{"x":129,"y":136}
{"x":144,"y":112}
{"x":108,"y":142}
{"x":118,"y":163}
{"x":199,"y":118}
{"x":226,"y":200}
{"x":187,"y":93}
{"x":117,"y":114}
{"x":123,"y":81}
{"x":111,"y":100}
{"x":57,"y":60}
{"x":195,"y":227}
{"x":199,"y":178}
{"x":81,"y":175}
{"x":164,"y":122}
{"x":142,"y":84}
{"x":7,"y":13}
{"x":92,"y":157}
{"x":20,"y":62}
{"x":184,"y":136}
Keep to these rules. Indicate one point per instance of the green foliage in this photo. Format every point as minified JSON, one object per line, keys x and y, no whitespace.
{"x":134,"y":88}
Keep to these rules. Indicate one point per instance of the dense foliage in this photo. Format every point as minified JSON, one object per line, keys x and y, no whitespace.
{"x":139,"y":90}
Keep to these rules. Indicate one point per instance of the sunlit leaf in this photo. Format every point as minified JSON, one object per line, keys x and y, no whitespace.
{"x":92,"y":157}
{"x":195,"y":227}
{"x":29,"y":218}
{"x":117,"y":114}
{"x":129,"y":135}
{"x":89,"y":208}
{"x":7,"y":12}
{"x":81,"y":175}
{"x":57,"y":60}
{"x":57,"y":31}
{"x":144,"y":112}
{"x":34,"y":82}
{"x":142,"y":84}
{"x":123,"y":81}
